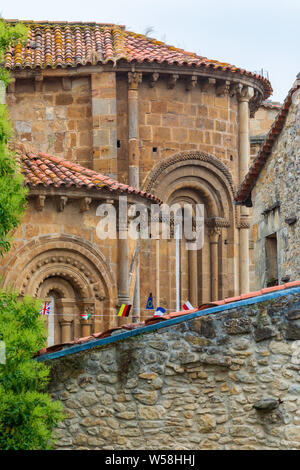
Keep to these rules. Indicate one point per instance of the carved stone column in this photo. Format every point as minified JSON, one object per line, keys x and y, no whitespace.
{"x":86,"y":326}
{"x":66,"y":334}
{"x":214,"y":235}
{"x":134,"y":79}
{"x":67,"y":314}
{"x":244,"y":95}
{"x":123,"y":272}
{"x":193,"y":277}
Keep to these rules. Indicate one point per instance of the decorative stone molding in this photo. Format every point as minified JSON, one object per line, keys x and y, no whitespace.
{"x":185,"y":156}
{"x":56,"y":264}
{"x":217,"y":222}
{"x":243,"y":224}
{"x":134,"y":80}
{"x":172,"y":80}
{"x":80,"y":261}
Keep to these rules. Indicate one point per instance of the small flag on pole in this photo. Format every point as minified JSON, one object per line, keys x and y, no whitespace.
{"x":188,"y":306}
{"x":85,"y":316}
{"x":159,"y":311}
{"x":150,"y":305}
{"x":45,"y":310}
{"x":124,"y":310}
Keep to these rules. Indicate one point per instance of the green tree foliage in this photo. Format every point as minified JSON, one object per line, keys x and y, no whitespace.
{"x":12,"y":191}
{"x":28,"y":415}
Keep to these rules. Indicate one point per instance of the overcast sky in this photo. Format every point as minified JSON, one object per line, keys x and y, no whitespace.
{"x":253,"y":34}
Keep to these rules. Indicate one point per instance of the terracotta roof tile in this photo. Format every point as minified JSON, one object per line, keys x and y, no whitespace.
{"x":63,"y":44}
{"x":43,"y":170}
{"x":259,"y":162}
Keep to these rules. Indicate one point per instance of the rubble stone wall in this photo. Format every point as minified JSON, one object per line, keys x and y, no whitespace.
{"x":229,"y":380}
{"x":276,"y":204}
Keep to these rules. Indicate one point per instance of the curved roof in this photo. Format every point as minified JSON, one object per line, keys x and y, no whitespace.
{"x":63,"y":44}
{"x":43,"y":170}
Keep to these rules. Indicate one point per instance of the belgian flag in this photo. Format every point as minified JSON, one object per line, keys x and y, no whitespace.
{"x":124,"y":310}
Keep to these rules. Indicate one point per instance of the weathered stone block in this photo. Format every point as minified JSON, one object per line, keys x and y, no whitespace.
{"x":238,"y":326}
{"x":205,"y":327}
{"x":263,"y":333}
{"x":292,"y":331}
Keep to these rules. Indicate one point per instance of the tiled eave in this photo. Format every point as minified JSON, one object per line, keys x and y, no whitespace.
{"x":61,"y":45}
{"x":164,"y":69}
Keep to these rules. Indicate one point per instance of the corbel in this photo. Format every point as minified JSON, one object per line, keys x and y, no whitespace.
{"x":223,"y":88}
{"x":153,"y":80}
{"x":208,"y":83}
{"x":172,"y":80}
{"x":234,"y":88}
{"x":40,"y":202}
{"x":191,"y":82}
{"x":62,"y":201}
{"x":85,"y":204}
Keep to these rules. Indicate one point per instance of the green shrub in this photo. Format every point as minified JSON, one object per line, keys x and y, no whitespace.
{"x":12,"y":191}
{"x":28,"y":415}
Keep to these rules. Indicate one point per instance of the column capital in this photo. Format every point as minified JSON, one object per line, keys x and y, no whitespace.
{"x":244,"y":93}
{"x":134,"y":79}
{"x":214,"y":235}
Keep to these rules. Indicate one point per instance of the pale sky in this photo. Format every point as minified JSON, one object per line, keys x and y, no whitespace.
{"x":253,"y":34}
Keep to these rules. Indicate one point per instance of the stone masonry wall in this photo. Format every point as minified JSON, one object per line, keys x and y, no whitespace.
{"x":176,"y":120}
{"x":56,"y":118}
{"x":226,"y":381}
{"x":276,"y":203}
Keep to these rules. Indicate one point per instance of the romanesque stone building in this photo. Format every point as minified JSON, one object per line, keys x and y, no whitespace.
{"x":272,"y":186}
{"x":147,"y":115}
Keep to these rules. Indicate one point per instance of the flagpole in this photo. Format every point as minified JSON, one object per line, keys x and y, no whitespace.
{"x":157,"y":273}
{"x":136,"y":296}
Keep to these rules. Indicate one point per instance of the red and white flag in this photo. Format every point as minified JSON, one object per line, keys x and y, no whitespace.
{"x":188,"y":306}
